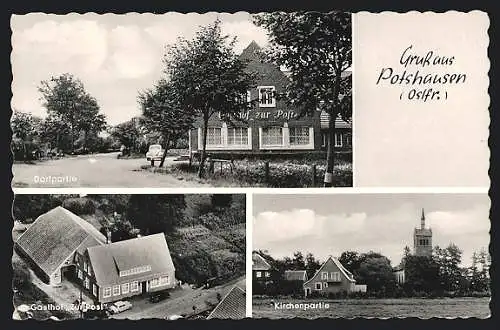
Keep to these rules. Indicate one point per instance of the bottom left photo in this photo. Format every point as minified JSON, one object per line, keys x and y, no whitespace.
{"x":138,"y":256}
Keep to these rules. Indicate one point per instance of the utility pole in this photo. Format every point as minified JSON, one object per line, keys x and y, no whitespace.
{"x":81,"y":305}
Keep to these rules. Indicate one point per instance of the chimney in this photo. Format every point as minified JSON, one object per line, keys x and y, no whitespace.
{"x":422,"y":220}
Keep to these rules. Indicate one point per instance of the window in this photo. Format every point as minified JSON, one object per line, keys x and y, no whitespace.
{"x":94,"y":290}
{"x":325,"y":285}
{"x":324,"y":275}
{"x":90,"y":270}
{"x":134,"y":286}
{"x":324,"y":139}
{"x":125,"y":288}
{"x":80,"y":274}
{"x":154,"y":282}
{"x":267,"y":98}
{"x":214,"y":136}
{"x":272,"y":136}
{"x":249,"y":96}
{"x":107,"y":292}
{"x":335,"y":276}
{"x":86,"y":282}
{"x":258,"y":274}
{"x":267,"y":274}
{"x":85,"y":266}
{"x":318,"y":286}
{"x":136,"y":270}
{"x":164,"y":280}
{"x":299,"y":135}
{"x":237,"y":136}
{"x":338,"y":139}
{"x":116,"y":290}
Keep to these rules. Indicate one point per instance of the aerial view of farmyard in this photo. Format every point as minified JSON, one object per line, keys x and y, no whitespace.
{"x":129,"y":256}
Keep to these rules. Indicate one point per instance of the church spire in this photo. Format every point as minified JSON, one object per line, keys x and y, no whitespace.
{"x":422,"y":219}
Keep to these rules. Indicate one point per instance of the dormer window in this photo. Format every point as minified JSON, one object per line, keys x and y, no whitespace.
{"x":267,"y":97}
{"x":136,"y":270}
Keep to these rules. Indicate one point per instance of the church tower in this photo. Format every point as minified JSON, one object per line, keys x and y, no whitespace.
{"x":422,"y":239}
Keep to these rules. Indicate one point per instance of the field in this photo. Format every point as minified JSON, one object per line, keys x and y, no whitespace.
{"x":376,"y":308}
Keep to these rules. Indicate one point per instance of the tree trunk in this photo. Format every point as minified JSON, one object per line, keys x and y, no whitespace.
{"x":25,"y":150}
{"x":165,"y":152}
{"x":328,"y":181}
{"x":201,"y":170}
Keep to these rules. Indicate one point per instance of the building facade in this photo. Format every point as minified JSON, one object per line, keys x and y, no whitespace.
{"x":119,"y":270}
{"x":270,"y":125}
{"x":332,"y":277}
{"x":261,"y":270}
{"x":422,"y":239}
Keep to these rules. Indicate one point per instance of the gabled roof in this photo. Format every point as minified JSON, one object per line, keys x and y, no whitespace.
{"x":232,"y":306}
{"x":342,"y":269}
{"x":295,"y":275}
{"x":55,"y":236}
{"x":109,"y":259}
{"x":259,"y":263}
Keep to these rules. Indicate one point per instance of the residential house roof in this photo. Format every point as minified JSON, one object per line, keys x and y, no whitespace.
{"x":56,"y":235}
{"x":232,"y":306}
{"x":343,"y":270}
{"x":295,"y":275}
{"x":259,"y":263}
{"x":109,"y":259}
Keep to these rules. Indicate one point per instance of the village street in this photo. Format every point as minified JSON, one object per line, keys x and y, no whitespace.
{"x":180,"y":302}
{"x":96,"y":170}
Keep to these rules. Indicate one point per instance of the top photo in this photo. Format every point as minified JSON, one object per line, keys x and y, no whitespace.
{"x":182,"y":100}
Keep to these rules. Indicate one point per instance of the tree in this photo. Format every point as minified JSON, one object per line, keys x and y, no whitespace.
{"x":56,"y":132}
{"x":448,"y":260}
{"x":127,"y":133}
{"x":221,"y":200}
{"x":312,"y":265}
{"x":421,"y":274}
{"x":66,"y":97}
{"x":208,"y":78}
{"x":350,"y":260}
{"x":120,"y":228}
{"x":376,"y":272}
{"x":153,"y":214}
{"x":298,"y":261}
{"x":316,"y":47}
{"x":164,"y":113}
{"x":24,"y":128}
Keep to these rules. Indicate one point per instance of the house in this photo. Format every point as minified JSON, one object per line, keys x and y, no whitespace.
{"x":295,"y":275}
{"x":232,"y":306}
{"x":399,"y":274}
{"x":53,"y":241}
{"x":127,"y":268}
{"x":332,"y":277}
{"x":270,"y":125}
{"x":261,"y":270}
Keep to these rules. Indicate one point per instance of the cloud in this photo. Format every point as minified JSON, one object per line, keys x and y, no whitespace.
{"x":386,"y":232}
{"x":245,"y":31}
{"x":132,"y":56}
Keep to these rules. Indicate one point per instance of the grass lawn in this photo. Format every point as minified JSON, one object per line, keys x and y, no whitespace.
{"x":375,"y":308}
{"x":251,"y":173}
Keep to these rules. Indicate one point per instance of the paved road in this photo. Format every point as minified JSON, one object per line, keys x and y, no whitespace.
{"x":97,"y":170}
{"x":181,"y":302}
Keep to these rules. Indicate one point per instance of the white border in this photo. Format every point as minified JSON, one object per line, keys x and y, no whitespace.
{"x":248,"y":259}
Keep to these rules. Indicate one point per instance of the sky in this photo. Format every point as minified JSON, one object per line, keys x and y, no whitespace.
{"x":115,"y":56}
{"x":330,"y":224}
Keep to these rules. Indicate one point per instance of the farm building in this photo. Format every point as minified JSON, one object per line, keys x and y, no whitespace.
{"x":232,"y":306}
{"x":332,"y":277}
{"x":261,"y":270}
{"x":52,"y":242}
{"x":127,"y":268}
{"x":295,"y":275}
{"x":61,"y":244}
{"x":270,"y":125}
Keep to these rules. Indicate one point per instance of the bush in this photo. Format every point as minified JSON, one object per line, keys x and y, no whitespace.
{"x":79,"y":206}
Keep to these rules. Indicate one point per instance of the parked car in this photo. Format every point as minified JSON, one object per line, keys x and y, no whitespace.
{"x":159,"y":296}
{"x":54,"y":318}
{"x":155,"y":152}
{"x":174,"y":317}
{"x":95,"y":314}
{"x":119,"y":306}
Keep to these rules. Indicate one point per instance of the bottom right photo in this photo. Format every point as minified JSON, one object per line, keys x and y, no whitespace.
{"x":377,"y":255}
